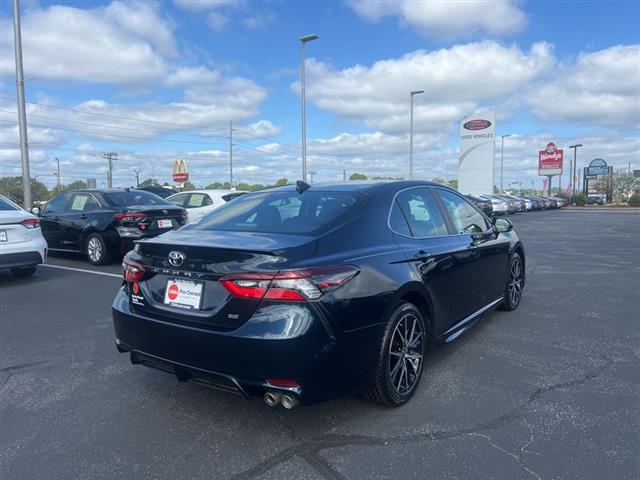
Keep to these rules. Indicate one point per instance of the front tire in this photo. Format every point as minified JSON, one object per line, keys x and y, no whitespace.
{"x":400,"y":358}
{"x":96,"y":250}
{"x":515,"y":284}
{"x":23,"y":271}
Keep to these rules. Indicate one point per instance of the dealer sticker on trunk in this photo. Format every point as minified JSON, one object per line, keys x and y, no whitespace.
{"x":183,"y":294}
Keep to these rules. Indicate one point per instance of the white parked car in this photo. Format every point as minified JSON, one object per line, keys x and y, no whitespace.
{"x":200,"y":202}
{"x":22,"y":245}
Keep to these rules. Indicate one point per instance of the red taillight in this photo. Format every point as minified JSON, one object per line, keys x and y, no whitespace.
{"x":132,"y":271}
{"x":129,"y":217}
{"x":288,"y":285}
{"x":31,"y":223}
{"x":283,"y":382}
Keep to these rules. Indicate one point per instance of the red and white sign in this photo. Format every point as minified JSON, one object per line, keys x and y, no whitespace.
{"x":180,"y":172}
{"x":550,"y":160}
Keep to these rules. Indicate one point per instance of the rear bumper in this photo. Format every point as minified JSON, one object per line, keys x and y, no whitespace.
{"x":242,"y":360}
{"x":21,"y":259}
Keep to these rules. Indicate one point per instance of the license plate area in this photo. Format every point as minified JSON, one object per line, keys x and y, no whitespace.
{"x":165,"y":223}
{"x":3,"y":236}
{"x":184,"y":294}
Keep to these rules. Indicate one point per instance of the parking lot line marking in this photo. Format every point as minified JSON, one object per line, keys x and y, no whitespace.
{"x":106,"y":274}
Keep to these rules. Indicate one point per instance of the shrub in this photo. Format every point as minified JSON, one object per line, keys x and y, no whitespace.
{"x":581,"y":200}
{"x":634,"y":201}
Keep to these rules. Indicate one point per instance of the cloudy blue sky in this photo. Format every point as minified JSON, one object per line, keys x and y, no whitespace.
{"x":160,"y":81}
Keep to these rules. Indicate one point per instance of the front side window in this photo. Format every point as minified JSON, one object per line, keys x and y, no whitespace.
{"x":56,"y":205}
{"x":281,"y":212}
{"x":420,"y":212}
{"x":465,"y":217}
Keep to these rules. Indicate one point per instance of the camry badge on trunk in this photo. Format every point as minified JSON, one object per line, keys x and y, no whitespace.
{"x":176,"y":258}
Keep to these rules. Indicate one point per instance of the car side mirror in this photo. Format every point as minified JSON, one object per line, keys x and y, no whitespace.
{"x":502,"y":225}
{"x":35,"y":211}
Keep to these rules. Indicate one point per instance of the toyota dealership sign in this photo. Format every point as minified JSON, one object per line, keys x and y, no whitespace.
{"x":550,"y":160}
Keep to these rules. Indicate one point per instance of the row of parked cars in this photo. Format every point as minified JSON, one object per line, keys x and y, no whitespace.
{"x":102,"y":224}
{"x":506,"y":204}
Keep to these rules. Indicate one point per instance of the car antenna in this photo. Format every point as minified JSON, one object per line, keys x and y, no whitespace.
{"x":302,"y":186}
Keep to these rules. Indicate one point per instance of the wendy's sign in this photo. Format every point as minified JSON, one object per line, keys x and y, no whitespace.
{"x":550,"y":160}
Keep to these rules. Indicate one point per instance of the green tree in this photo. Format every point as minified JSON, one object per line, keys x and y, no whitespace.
{"x":281,"y":182}
{"x":358,"y":176}
{"x":149,"y":182}
{"x":453,"y":183}
{"x":187,"y":186}
{"x":439,"y":180}
{"x":12,"y":188}
{"x":77,"y":185}
{"x":624,"y":183}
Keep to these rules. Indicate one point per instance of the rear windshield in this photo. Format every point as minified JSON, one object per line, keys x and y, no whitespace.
{"x":281,"y":212}
{"x":6,"y":204}
{"x":138,"y":197}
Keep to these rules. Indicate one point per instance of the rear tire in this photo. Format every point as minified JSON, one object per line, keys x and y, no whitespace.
{"x":515,"y":284}
{"x":96,"y":250}
{"x":400,"y":359}
{"x":23,"y":271}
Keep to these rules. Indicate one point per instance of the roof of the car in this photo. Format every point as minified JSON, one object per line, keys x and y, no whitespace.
{"x":215,"y":192}
{"x":359,"y":186}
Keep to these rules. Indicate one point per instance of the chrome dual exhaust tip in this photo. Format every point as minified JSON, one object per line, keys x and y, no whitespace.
{"x":272,"y":399}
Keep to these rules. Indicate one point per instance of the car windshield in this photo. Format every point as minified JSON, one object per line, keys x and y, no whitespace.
{"x":6,"y":204}
{"x":280,"y":212}
{"x":138,"y":197}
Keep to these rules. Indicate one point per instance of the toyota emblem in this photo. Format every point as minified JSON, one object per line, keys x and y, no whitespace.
{"x":164,"y":212}
{"x":176,"y":258}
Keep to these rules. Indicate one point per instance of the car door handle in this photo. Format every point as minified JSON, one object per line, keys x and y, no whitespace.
{"x":423,"y":256}
{"x":83,"y":216}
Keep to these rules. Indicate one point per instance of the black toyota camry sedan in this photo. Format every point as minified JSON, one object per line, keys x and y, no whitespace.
{"x":302,"y":293}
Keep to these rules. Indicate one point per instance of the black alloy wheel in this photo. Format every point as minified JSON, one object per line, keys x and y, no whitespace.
{"x":400,"y":358}
{"x":515,"y":284}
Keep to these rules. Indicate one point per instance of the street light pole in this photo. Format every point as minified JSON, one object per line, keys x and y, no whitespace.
{"x":415,"y":92}
{"x":22,"y":117}
{"x":502,"y":160}
{"x":58,"y":175}
{"x":303,"y":40}
{"x":575,"y":172}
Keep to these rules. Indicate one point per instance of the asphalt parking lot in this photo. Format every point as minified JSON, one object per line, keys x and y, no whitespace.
{"x":550,"y":391}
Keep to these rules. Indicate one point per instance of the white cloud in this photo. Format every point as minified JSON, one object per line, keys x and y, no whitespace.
{"x":455,"y":80}
{"x":217,"y":21}
{"x":120,"y":44}
{"x":601,"y":88}
{"x":447,"y":19}
{"x":200,"y":5}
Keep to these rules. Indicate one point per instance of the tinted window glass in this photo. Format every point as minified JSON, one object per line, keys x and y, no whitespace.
{"x":6,"y":204}
{"x":422,"y":213}
{"x":280,"y":212}
{"x":82,"y":202}
{"x":198,"y":200}
{"x":56,"y":205}
{"x":179,"y":199}
{"x":466,"y":219}
{"x":397,"y":221}
{"x":134,"y":197}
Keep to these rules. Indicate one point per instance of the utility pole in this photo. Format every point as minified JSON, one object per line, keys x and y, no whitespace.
{"x":311,"y":174}
{"x":22,"y":118}
{"x":58,"y":186}
{"x":574,"y":180}
{"x":303,"y":40}
{"x":137,"y":171}
{"x":344,"y":174}
{"x":110,"y":157}
{"x":502,"y":161}
{"x":231,"y":155}
{"x":411,"y":94}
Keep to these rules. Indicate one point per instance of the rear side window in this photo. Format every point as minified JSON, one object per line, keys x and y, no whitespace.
{"x":83,"y":202}
{"x":281,"y":212}
{"x":179,"y":200}
{"x":423,"y":218}
{"x":6,"y":204}
{"x":134,"y":197}
{"x":466,"y":218}
{"x":199,"y":200}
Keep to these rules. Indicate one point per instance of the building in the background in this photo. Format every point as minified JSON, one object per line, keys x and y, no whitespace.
{"x":477,"y":152}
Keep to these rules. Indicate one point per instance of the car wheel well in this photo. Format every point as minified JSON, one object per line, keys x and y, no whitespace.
{"x":520,"y":252}
{"x":422,"y":304}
